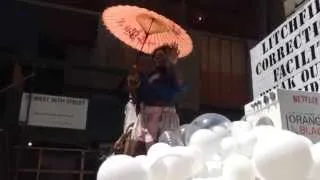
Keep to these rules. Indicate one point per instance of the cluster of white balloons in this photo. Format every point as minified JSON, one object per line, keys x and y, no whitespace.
{"x":213,"y":148}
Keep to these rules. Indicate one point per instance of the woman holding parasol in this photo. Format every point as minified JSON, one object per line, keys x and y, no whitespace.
{"x":152,"y":94}
{"x":156,"y":96}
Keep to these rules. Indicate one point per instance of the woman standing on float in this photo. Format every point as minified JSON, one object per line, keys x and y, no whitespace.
{"x":154,"y":95}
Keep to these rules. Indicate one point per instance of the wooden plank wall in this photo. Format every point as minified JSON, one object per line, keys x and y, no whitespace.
{"x":224,"y":78}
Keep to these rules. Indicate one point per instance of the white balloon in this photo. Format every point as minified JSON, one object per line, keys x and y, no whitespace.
{"x":158,"y":149}
{"x":206,"y":141}
{"x":238,"y":167}
{"x":155,"y":168}
{"x":239,"y":127}
{"x":204,"y":173}
{"x":198,"y":161}
{"x":193,"y":156}
{"x":246,"y":143}
{"x":228,"y":144}
{"x":179,"y":167}
{"x":270,"y":133}
{"x":310,"y":178}
{"x":121,"y":167}
{"x":215,"y":157}
{"x":169,"y":164}
{"x":285,"y":157}
{"x":141,"y":158}
{"x":214,"y":168}
{"x":315,"y":171}
{"x":265,"y":132}
{"x":315,"y":150}
{"x":209,"y":178}
{"x":308,"y":141}
{"x":221,"y":131}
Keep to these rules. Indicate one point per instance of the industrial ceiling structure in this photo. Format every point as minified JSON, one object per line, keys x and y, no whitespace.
{"x":220,"y":17}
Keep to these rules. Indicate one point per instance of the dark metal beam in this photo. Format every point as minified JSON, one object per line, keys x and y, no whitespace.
{"x":59,"y":64}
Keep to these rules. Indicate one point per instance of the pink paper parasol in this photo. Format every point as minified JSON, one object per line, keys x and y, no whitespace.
{"x":145,"y":30}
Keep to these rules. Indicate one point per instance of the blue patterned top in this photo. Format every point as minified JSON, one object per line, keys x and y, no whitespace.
{"x":159,"y":87}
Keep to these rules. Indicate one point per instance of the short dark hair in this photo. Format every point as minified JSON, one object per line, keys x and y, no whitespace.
{"x":166,"y":48}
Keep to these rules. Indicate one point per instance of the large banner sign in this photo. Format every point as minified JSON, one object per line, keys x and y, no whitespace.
{"x":289,"y":57}
{"x":54,"y":111}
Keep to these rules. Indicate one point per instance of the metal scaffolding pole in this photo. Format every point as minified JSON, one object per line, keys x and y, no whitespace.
{"x":60,"y":7}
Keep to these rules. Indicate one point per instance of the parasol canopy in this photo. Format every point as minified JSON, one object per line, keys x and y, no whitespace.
{"x":144,"y":29}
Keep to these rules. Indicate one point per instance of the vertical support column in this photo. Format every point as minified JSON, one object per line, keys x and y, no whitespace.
{"x":262,"y":23}
{"x":39,"y":164}
{"x":270,"y":14}
{"x":248,"y":71}
{"x":12,"y":95}
{"x":262,"y":15}
{"x":276,"y":14}
{"x":82,"y":165}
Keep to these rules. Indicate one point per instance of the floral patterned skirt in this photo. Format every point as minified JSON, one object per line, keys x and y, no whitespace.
{"x":151,"y":122}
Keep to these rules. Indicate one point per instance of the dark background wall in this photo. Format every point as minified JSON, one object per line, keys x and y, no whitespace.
{"x":74,"y":56}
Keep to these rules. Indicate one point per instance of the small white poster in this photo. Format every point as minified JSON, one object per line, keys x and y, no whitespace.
{"x":54,"y":111}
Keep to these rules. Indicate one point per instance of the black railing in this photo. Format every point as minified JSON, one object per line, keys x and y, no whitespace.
{"x":62,"y":163}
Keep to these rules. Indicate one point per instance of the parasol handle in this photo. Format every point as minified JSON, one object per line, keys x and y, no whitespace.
{"x":132,"y":93}
{"x":144,"y":41}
